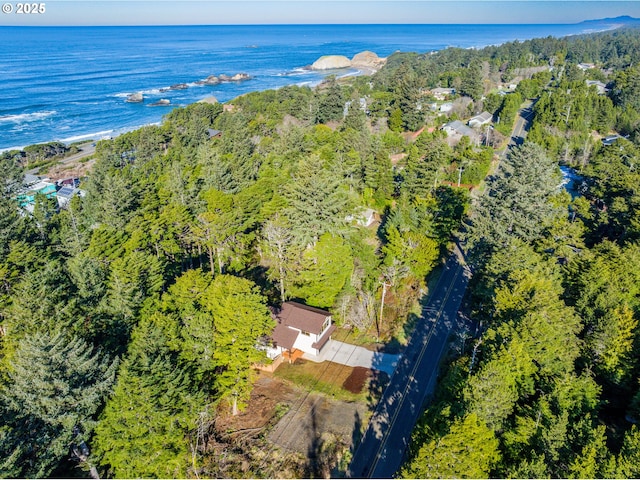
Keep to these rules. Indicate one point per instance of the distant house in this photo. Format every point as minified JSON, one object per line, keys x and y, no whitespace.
{"x":71,"y":181}
{"x":479,"y":120}
{"x":586,"y":66}
{"x":300,"y":329}
{"x":601,"y":87}
{"x":27,"y":199}
{"x":214,"y":133}
{"x":66,"y":193}
{"x":30,"y":179}
{"x":442,"y":93}
{"x":446,"y":107}
{"x":363,"y":218}
{"x":459,"y":129}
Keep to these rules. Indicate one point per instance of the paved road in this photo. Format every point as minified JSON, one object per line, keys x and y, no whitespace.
{"x":85,"y":150}
{"x":522,"y":125}
{"x":520,"y":128}
{"x":382,"y":449}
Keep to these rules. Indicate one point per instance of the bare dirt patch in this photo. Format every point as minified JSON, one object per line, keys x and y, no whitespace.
{"x":268,"y":396}
{"x":314,"y":419}
{"x":70,"y":170}
{"x":302,"y":423}
{"x":357,"y":380}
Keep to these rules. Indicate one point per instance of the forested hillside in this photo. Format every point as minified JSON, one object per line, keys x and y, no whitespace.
{"x":549,"y":387}
{"x":131,"y":319}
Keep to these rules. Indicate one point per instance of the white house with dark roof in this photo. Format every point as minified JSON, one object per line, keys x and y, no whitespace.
{"x":300,"y":329}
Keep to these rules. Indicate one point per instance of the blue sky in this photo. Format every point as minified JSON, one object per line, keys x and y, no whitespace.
{"x":218,"y":12}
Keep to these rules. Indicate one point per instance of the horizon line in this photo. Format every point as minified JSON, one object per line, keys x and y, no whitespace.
{"x":317,"y":24}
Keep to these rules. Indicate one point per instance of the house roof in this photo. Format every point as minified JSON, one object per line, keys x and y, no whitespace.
{"x":213,"y":133}
{"x":484,"y":117}
{"x":30,"y":179}
{"x":460,"y":128}
{"x":443,"y":90}
{"x":325,"y":338}
{"x":283,"y":336}
{"x":302,"y":317}
{"x":66,"y":192}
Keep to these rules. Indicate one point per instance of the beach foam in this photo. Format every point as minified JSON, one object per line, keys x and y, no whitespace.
{"x":27,"y":117}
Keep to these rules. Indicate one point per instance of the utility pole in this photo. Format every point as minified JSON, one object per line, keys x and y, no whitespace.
{"x":384,"y":293}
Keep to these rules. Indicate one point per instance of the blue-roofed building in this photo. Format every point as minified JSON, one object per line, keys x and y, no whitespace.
{"x":28,"y":197}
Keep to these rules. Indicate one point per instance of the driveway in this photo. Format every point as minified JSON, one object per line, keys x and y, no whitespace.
{"x":354,"y":356}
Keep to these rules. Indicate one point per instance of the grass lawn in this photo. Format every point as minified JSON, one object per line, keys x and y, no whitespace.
{"x":328,"y":378}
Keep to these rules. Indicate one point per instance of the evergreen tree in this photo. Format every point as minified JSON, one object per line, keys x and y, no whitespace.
{"x":277,"y":247}
{"x":317,"y":203}
{"x":325,"y":270}
{"x":240,"y":319}
{"x":222,"y":230}
{"x":12,"y":225}
{"x":331,"y":102}
{"x":518,"y":199}
{"x":187,"y":324}
{"x":142,"y":429}
{"x":56,"y":385}
{"x":469,"y":450}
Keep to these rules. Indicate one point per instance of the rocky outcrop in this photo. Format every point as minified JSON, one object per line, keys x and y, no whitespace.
{"x":328,"y":62}
{"x":238,"y":77}
{"x":135,"y":98}
{"x":210,"y":100}
{"x":163,"y":102}
{"x":179,"y":86}
{"x":215,"y":80}
{"x":368,"y":60}
{"x":210,"y":80}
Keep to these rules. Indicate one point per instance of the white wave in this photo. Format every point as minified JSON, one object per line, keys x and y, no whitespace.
{"x":26,"y":117}
{"x":150,"y":91}
{"x":295,"y":72}
{"x":154,"y":91}
{"x":2,"y":150}
{"x":87,"y":136}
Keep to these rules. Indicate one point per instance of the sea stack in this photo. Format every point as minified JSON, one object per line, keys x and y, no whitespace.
{"x":367,"y":60}
{"x":135,"y":98}
{"x":163,"y":102}
{"x":329,"y":62}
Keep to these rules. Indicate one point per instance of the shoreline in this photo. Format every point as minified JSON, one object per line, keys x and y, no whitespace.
{"x":116,"y":132}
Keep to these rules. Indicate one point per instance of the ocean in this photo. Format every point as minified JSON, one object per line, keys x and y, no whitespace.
{"x":71,"y":83}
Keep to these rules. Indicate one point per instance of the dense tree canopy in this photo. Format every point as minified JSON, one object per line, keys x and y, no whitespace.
{"x":168,"y":265}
